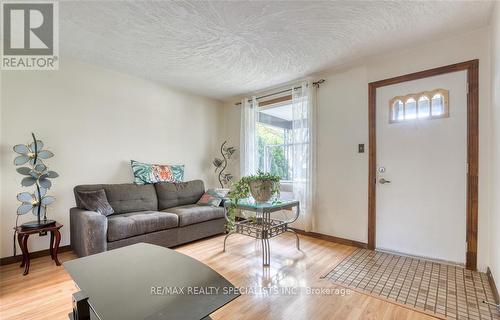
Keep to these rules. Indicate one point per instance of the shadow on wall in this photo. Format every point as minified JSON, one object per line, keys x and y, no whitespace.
{"x":7,"y":155}
{"x":122,"y":173}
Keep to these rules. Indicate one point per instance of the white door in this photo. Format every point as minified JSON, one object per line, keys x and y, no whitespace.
{"x":422,"y":210}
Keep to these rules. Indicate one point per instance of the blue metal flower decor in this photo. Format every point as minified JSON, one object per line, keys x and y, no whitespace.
{"x":36,"y":174}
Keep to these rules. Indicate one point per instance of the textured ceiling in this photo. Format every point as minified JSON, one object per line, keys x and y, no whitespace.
{"x":223,"y":49}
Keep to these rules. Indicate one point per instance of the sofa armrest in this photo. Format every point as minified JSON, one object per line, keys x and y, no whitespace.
{"x":88,"y":232}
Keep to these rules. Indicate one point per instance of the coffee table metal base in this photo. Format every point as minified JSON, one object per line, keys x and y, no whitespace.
{"x":262,"y":226}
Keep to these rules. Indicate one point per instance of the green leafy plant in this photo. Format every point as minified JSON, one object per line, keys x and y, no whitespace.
{"x":241,"y":190}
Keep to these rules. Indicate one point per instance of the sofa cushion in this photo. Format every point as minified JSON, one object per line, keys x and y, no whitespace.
{"x":125,"y":197}
{"x":213,"y":197}
{"x":193,"y":213}
{"x":178,"y":194}
{"x":151,"y":173}
{"x":95,"y":201}
{"x":131,"y":224}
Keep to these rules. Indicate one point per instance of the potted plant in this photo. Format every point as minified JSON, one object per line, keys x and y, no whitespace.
{"x":261,"y":186}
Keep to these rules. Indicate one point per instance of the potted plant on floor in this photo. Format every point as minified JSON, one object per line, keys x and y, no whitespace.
{"x":261,"y":186}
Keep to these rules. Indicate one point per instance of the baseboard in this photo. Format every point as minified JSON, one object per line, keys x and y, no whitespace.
{"x":347,"y":242}
{"x":33,"y":255}
{"x":326,"y":237}
{"x":493,"y":285}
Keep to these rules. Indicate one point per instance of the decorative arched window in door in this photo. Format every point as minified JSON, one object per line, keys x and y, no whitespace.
{"x":424,"y":105}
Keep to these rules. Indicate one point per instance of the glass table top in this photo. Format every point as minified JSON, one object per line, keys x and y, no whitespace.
{"x":131,"y":283}
{"x":249,"y":203}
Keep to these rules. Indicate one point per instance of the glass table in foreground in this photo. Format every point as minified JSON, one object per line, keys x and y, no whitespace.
{"x":263,"y":226}
{"x":145,"y":281}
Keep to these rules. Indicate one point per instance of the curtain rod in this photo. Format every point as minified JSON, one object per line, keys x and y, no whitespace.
{"x":316,"y":84}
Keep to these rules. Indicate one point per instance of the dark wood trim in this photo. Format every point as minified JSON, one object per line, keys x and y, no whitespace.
{"x":473,"y":162}
{"x":326,"y":237}
{"x":466,"y":65}
{"x":372,"y":165}
{"x":493,"y":285}
{"x":472,"y":68}
{"x":33,"y":255}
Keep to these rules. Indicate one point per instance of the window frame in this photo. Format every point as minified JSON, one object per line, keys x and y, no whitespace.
{"x":416,"y":96}
{"x":274,"y":103}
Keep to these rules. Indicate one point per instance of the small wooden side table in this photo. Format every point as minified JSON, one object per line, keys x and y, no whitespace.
{"x":22,"y":238}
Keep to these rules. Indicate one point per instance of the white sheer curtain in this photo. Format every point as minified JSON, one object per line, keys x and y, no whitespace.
{"x":248,"y":149}
{"x":304,"y":151}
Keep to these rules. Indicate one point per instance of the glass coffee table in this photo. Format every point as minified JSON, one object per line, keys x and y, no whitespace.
{"x":263,"y":226}
{"x":145,"y":281}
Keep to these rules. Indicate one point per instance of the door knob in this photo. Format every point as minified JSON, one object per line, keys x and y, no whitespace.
{"x":383,"y":181}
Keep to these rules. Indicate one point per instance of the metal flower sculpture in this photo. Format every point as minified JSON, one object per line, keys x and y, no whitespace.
{"x":36,"y":174}
{"x":221,"y":164}
{"x":34,"y":202}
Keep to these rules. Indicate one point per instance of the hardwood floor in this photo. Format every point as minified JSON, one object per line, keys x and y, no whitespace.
{"x":46,"y":292}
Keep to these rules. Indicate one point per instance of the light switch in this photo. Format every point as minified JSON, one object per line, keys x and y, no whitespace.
{"x":361,"y":148}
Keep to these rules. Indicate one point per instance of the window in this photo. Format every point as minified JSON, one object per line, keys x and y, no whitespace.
{"x":410,"y":109}
{"x":438,"y":104}
{"x":397,"y":109}
{"x":274,"y":140}
{"x":424,"y":105}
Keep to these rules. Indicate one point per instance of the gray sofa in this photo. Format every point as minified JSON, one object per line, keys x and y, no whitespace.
{"x":165,"y":214}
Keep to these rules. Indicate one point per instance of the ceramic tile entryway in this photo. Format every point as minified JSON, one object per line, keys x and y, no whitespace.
{"x":444,"y":290}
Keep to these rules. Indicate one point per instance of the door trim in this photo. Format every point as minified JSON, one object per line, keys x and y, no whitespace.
{"x":472,"y":68}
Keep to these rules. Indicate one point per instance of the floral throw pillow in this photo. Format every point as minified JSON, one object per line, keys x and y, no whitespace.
{"x":213,"y":197}
{"x":145,"y":173}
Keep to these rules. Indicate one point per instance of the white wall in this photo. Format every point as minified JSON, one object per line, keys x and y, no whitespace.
{"x":343,"y":124}
{"x":95,"y":121}
{"x":495,"y":146}
{"x":342,"y":172}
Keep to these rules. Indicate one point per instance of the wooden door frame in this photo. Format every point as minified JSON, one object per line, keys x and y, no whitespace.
{"x":472,"y":68}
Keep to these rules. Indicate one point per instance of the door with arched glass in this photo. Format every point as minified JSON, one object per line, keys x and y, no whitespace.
{"x":421,"y":160}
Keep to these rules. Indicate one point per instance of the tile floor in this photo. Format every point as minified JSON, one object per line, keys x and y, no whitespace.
{"x":444,"y":290}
